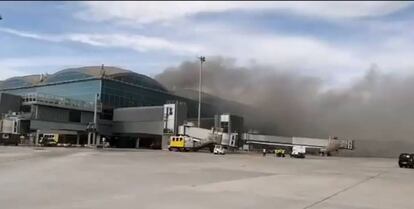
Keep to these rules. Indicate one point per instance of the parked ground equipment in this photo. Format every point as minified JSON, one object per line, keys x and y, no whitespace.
{"x":10,"y":139}
{"x":298,"y":152}
{"x":406,"y":160}
{"x":280,"y":153}
{"x":49,"y":140}
{"x":180,"y":143}
{"x":219,"y":149}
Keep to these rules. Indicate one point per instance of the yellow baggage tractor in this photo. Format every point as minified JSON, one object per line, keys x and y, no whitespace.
{"x":280,"y":153}
{"x":177,"y":142}
{"x":180,"y":143}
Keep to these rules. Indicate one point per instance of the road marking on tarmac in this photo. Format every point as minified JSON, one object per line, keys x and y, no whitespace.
{"x":344,"y":190}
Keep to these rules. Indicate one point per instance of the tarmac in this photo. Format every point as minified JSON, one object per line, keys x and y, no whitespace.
{"x":50,"y":178}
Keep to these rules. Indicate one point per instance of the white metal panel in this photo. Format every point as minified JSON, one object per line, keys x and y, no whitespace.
{"x":181,"y":130}
{"x":224,"y":118}
{"x":310,"y":141}
{"x":196,"y":132}
{"x":8,"y":126}
{"x":298,"y":149}
{"x":225,"y":139}
{"x":267,"y":138}
{"x":169,"y":116}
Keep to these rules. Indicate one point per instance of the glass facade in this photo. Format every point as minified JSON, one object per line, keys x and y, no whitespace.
{"x":15,"y":82}
{"x":67,"y":76}
{"x":81,"y":90}
{"x":118,"y":94}
{"x":140,"y":80}
{"x":117,"y":87}
{"x":114,"y":93}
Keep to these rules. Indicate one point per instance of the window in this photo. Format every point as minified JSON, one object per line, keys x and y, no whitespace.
{"x":75,"y":116}
{"x":15,"y":127}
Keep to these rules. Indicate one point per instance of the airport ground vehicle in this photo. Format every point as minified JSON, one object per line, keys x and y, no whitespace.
{"x":406,"y":160}
{"x":219,"y":149}
{"x":186,"y":143}
{"x":49,"y":139}
{"x":180,"y":143}
{"x":10,"y":139}
{"x":280,"y":153}
{"x":192,"y":138}
{"x":298,"y":152}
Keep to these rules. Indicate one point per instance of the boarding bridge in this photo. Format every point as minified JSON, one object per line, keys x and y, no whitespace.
{"x":331,"y":144}
{"x":208,"y":136}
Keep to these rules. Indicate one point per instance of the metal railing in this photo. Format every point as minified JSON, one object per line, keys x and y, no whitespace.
{"x":58,"y":101}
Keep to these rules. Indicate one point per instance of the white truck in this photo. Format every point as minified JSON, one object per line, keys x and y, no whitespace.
{"x":219,"y":149}
{"x":298,"y":152}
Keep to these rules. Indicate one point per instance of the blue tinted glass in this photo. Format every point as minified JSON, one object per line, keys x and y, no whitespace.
{"x":67,"y":76}
{"x":141,"y":80}
{"x":14,"y":83}
{"x":83,"y":90}
{"x":122,"y":95}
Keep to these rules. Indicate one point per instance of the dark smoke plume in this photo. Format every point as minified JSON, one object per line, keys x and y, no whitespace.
{"x":378,"y":107}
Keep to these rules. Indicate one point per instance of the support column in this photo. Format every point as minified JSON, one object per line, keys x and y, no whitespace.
{"x":77,"y":139}
{"x":31,"y":139}
{"x":164,"y":141}
{"x":98,"y":139}
{"x":37,"y":137}
{"x":93,"y":138}
{"x":89,"y":138}
{"x":137,"y":143}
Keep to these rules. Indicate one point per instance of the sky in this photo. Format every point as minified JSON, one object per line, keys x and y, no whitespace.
{"x":336,"y":41}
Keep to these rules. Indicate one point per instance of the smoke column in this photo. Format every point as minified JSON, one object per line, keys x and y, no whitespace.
{"x":376,"y":109}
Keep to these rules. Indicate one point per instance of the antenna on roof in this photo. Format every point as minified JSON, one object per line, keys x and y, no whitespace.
{"x":102,"y":70}
{"x":41,"y":77}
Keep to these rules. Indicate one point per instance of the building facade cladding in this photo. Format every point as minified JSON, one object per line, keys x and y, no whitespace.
{"x":51,"y":114}
{"x":9,"y":103}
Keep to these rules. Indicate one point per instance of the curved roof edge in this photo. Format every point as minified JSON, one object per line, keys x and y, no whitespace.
{"x":87,"y":72}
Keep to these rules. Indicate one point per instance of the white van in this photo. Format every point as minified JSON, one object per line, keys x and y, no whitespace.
{"x":219,"y":149}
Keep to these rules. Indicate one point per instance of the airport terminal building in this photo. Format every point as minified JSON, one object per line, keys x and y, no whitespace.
{"x":64,"y":103}
{"x":92,"y":105}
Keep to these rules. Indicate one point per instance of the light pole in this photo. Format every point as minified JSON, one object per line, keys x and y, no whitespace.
{"x":96,"y":136}
{"x":202,"y":59}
